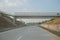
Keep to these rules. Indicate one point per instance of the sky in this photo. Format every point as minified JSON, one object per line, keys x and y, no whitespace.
{"x":12,"y":6}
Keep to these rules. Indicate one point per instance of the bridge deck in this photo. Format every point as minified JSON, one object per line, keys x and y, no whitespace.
{"x":37,"y":16}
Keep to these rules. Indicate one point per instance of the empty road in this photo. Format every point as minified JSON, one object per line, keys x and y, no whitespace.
{"x":32,"y":32}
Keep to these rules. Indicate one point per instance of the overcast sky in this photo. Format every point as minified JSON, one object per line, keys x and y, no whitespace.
{"x":30,"y":5}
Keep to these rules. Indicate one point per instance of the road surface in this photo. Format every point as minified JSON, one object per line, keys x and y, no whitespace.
{"x":32,"y":32}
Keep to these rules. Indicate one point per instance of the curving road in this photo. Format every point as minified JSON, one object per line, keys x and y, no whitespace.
{"x":32,"y":32}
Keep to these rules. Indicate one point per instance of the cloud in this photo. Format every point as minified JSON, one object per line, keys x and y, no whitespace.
{"x":21,"y":5}
{"x":25,"y":1}
{"x":2,"y":5}
{"x":7,"y":3}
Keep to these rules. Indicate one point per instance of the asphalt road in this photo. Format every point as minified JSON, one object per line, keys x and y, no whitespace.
{"x":32,"y":32}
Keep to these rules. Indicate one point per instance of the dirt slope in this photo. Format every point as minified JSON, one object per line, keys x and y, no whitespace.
{"x":52,"y":26}
{"x":4,"y":24}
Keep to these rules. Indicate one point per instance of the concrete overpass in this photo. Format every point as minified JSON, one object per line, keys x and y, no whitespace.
{"x":33,"y":15}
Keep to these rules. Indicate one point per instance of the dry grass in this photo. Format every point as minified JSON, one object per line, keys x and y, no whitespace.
{"x":55,"y":21}
{"x":52,"y":26}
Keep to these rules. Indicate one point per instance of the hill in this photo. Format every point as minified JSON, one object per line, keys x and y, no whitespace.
{"x":52,"y":26}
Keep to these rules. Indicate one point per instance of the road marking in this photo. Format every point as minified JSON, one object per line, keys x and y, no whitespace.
{"x":20,"y":38}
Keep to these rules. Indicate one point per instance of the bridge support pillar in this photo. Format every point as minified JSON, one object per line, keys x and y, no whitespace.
{"x":14,"y":21}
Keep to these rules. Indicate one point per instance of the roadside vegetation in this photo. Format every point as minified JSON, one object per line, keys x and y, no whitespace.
{"x":52,"y":26}
{"x":45,"y":21}
{"x":8,"y":24}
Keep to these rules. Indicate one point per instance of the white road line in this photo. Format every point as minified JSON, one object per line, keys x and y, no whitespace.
{"x":20,"y":38}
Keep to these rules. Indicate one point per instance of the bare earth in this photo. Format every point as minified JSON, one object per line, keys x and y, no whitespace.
{"x":52,"y":26}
